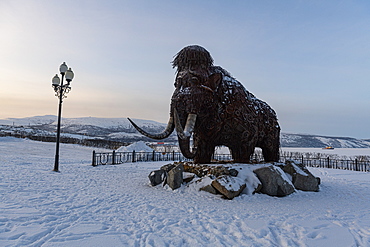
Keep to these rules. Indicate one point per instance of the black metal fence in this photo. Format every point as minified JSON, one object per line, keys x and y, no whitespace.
{"x":114,"y":157}
{"x":127,"y":157}
{"x":344,"y":164}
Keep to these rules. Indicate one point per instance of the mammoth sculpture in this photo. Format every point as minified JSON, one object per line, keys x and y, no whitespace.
{"x":214,"y":108}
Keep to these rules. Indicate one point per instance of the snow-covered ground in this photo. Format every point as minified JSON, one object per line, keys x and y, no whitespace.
{"x":115,"y":206}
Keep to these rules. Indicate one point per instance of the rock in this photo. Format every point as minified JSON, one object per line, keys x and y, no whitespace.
{"x":157,"y":177}
{"x":229,"y":186}
{"x":278,"y":179}
{"x":202,"y":170}
{"x":274,"y":181}
{"x":175,"y":177}
{"x":188,"y":177}
{"x":302,"y":178}
{"x":204,"y":184}
{"x":168,"y":167}
{"x":306,"y":182}
{"x":257,"y":189}
{"x":233,"y":172}
{"x":210,"y":189}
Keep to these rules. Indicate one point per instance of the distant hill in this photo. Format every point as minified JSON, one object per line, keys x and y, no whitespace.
{"x":318,"y":141}
{"x":119,"y":129}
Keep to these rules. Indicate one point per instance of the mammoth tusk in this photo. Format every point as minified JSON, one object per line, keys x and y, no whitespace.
{"x":184,"y":135}
{"x":166,"y":133}
{"x":185,"y":148}
{"x":189,"y":126}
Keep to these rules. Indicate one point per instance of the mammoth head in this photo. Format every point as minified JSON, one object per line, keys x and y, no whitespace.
{"x":194,"y":68}
{"x":193,"y":55}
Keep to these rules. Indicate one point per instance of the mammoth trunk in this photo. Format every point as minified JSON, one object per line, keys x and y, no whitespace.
{"x":192,"y":108}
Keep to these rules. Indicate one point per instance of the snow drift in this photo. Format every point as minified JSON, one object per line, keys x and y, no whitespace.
{"x":115,"y":206}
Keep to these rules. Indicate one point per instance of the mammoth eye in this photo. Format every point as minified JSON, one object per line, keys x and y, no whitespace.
{"x":194,"y":80}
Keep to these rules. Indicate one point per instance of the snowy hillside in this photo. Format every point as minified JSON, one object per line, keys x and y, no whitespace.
{"x":108,"y":123}
{"x":119,"y":129}
{"x":115,"y":206}
{"x":116,"y":129}
{"x":314,"y":141}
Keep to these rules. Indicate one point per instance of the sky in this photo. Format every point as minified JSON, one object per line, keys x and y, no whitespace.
{"x":309,"y":60}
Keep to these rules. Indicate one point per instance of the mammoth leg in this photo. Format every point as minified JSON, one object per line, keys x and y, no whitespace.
{"x":242,"y":154}
{"x":243,"y":148}
{"x":239,"y":154}
{"x":270,"y":150}
{"x":204,"y":153}
{"x":270,"y":146}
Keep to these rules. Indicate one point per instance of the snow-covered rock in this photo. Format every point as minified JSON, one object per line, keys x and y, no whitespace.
{"x":157,"y":177}
{"x":229,"y":186}
{"x":274,"y":181}
{"x":175,"y":177}
{"x":231,"y":180}
{"x":302,"y":178}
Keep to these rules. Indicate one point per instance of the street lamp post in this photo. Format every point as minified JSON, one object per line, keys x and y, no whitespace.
{"x":61,"y":91}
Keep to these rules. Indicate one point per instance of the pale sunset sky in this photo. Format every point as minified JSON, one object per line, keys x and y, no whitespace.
{"x":309,"y":60}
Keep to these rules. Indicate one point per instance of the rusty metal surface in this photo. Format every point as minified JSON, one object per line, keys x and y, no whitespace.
{"x":227,"y":114}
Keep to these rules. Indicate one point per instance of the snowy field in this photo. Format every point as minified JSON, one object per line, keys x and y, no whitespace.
{"x":115,"y":206}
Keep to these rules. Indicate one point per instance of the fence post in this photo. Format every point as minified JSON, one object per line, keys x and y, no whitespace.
{"x":302,"y":160}
{"x":328,"y":162}
{"x":93,"y":159}
{"x":173,"y":155}
{"x":356,"y":163}
{"x":133,"y":156}
{"x":153,"y":159}
{"x":114,"y":157}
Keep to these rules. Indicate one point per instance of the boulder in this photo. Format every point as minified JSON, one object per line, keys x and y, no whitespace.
{"x":274,"y":181}
{"x":306,"y":182}
{"x":157,"y":177}
{"x":210,"y":189}
{"x":233,"y":172}
{"x":204,"y":184}
{"x":188,"y":177}
{"x":229,"y":186}
{"x":175,"y":177}
{"x":202,"y":170}
{"x":302,"y":178}
{"x":168,"y":167}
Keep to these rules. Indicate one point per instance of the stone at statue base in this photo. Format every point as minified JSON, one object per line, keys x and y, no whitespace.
{"x":157,"y":177}
{"x":231,"y":180}
{"x":302,"y":178}
{"x":229,"y":186}
{"x":210,"y":189}
{"x":175,"y":177}
{"x":168,"y":167}
{"x":187,"y":177}
{"x":274,"y":181}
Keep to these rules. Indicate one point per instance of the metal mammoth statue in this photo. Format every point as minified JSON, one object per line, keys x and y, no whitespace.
{"x":214,"y":108}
